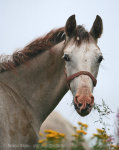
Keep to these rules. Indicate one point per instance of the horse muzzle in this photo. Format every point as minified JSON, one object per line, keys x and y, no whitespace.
{"x":83,"y":101}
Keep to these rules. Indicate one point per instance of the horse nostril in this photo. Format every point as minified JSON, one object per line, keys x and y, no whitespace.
{"x":79,"y":105}
{"x":87,"y":106}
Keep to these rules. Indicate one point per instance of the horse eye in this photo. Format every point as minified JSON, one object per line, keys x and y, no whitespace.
{"x":66,"y":57}
{"x":100,"y":59}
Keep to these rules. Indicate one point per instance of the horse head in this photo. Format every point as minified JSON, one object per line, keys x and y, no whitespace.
{"x":82,"y":60}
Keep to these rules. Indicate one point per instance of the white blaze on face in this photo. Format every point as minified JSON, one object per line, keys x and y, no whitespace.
{"x":82,"y":58}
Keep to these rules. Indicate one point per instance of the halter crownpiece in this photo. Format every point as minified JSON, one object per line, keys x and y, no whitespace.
{"x":70,"y":78}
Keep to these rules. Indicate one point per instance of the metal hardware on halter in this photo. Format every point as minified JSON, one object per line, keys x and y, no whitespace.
{"x":70,"y":78}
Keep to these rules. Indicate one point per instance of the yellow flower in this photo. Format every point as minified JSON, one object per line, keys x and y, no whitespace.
{"x":81,"y":131}
{"x":75,"y":135}
{"x":97,"y":135}
{"x":41,"y":141}
{"x":54,"y":135}
{"x":85,"y":125}
{"x":100,"y":130}
{"x":51,"y":135}
{"x":104,"y":136}
{"x":101,"y":136}
{"x":80,"y":123}
{"x":40,"y":134}
{"x":62,"y":134}
{"x":49,"y":131}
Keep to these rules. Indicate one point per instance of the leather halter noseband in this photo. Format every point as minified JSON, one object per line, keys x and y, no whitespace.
{"x":70,"y":78}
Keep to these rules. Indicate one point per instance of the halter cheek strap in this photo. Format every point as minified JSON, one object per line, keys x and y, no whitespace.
{"x":70,"y":78}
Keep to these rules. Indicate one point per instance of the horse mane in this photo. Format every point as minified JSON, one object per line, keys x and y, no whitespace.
{"x":36,"y":47}
{"x":31,"y":50}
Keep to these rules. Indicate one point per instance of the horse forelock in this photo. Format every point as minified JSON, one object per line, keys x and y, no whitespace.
{"x":81,"y":35}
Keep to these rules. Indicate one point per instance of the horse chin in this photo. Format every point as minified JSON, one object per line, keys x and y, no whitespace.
{"x":82,"y":113}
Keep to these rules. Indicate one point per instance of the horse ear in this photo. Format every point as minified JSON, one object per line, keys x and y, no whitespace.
{"x":97,"y":28}
{"x":70,"y":27}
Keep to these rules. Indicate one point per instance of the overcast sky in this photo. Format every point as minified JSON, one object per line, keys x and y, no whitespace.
{"x":23,"y":20}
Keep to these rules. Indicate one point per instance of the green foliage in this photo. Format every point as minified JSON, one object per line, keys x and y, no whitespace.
{"x":103,"y":111}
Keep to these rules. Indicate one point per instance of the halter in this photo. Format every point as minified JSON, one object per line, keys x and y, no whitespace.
{"x":70,"y":78}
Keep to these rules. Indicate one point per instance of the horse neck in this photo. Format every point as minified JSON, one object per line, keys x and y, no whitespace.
{"x":41,"y":83}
